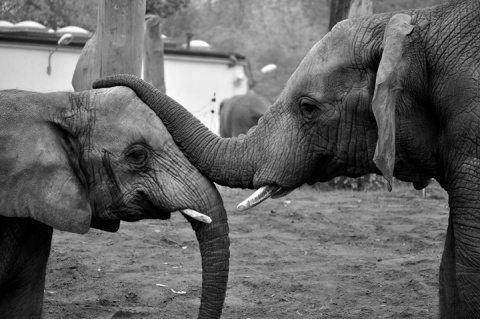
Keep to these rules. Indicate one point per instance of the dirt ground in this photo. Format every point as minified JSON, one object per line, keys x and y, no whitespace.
{"x":312,"y":254}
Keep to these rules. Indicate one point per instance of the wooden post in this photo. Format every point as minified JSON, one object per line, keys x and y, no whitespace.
{"x":117,"y":45}
{"x":153,"y":63}
{"x":347,"y":9}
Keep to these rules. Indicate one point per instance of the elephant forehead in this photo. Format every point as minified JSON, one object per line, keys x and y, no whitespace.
{"x":323,"y":65}
{"x":125,"y":119}
{"x":335,"y":41}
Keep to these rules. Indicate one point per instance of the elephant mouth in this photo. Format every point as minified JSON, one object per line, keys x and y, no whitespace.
{"x":106,"y":225}
{"x":262,"y":194}
{"x":149,"y":208}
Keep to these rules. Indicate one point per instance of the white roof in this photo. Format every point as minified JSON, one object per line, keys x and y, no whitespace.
{"x":27,"y":26}
{"x":199,"y":44}
{"x":5,"y":24}
{"x":30,"y":24}
{"x":73,"y":29}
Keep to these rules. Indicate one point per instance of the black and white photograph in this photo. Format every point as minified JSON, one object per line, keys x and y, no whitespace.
{"x":239,"y":159}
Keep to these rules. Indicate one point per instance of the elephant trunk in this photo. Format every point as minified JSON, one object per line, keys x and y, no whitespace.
{"x":224,"y":161}
{"x":214,"y":244}
{"x":214,"y":249}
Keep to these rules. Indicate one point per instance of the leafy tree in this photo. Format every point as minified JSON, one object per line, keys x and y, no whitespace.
{"x":166,"y":8}
{"x":51,"y":13}
{"x":60,"y":13}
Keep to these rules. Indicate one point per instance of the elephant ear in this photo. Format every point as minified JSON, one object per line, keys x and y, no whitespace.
{"x":388,"y":84}
{"x":39,"y":177}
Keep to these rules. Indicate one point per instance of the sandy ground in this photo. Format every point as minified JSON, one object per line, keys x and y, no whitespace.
{"x":337,"y":254}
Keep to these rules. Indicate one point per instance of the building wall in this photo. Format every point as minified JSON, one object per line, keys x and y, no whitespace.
{"x":195,"y":83}
{"x":192,"y":81}
{"x":24,"y":67}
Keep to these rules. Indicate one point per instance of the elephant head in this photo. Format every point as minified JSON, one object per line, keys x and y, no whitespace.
{"x":72,"y":160}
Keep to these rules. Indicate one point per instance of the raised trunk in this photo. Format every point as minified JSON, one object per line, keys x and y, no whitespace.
{"x":225,"y":161}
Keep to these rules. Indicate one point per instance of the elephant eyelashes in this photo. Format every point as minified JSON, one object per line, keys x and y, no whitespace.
{"x":137,"y":156}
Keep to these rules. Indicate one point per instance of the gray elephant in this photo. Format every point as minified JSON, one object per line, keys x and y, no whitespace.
{"x":241,"y":112}
{"x":391,"y":94}
{"x":74,"y":160}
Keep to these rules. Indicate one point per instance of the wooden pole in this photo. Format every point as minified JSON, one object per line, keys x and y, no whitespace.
{"x":153,"y":64}
{"x":347,"y":9}
{"x":117,"y":45}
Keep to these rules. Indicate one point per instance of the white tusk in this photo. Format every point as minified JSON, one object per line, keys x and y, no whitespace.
{"x":282,"y":192}
{"x":259,"y":196}
{"x":196,"y":215}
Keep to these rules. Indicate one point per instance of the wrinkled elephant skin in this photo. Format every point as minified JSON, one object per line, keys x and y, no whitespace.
{"x":72,"y":161}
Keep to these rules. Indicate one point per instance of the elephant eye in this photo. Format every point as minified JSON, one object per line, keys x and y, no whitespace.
{"x":308,"y":108}
{"x":137,"y":156}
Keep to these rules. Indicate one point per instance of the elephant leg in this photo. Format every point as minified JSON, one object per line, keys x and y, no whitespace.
{"x":467,"y":271}
{"x":463,"y":243}
{"x":26,"y":247}
{"x":449,"y":298}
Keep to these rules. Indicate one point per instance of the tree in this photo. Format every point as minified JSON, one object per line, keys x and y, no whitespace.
{"x":117,"y":45}
{"x":51,"y":13}
{"x":153,"y":62}
{"x":60,"y":13}
{"x":165,"y":8}
{"x":346,"y":9}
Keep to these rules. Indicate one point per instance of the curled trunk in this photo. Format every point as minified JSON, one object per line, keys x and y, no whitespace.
{"x":227,"y":161}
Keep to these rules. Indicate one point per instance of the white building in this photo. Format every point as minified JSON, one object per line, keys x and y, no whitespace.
{"x":199,"y":79}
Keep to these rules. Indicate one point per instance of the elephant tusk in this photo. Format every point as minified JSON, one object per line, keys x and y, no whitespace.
{"x":196,"y":215}
{"x":282,"y":192}
{"x":259,"y":196}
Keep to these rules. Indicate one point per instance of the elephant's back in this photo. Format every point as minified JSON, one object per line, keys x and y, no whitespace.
{"x":240,"y":112}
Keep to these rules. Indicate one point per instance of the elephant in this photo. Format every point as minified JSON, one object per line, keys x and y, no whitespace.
{"x":394,"y":94}
{"x":75,"y":160}
{"x":241,"y":112}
